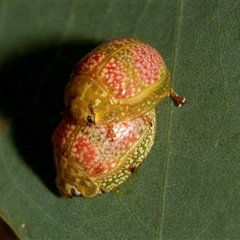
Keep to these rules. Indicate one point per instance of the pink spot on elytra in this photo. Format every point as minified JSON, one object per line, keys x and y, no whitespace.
{"x":147,"y":61}
{"x":120,"y":42}
{"x":83,"y":148}
{"x":89,"y":62}
{"x":101,"y":167}
{"x":127,"y":134}
{"x":62,"y":133}
{"x":114,"y":75}
{"x":98,"y":168}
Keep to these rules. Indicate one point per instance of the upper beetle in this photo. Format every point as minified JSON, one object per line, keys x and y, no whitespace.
{"x":118,"y":81}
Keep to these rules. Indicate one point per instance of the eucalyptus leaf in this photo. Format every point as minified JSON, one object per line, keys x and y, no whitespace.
{"x":188,"y":187}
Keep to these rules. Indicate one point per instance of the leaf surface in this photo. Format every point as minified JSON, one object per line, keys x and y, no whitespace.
{"x":188,"y":187}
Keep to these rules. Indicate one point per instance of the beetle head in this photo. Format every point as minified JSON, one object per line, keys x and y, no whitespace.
{"x":88,"y":102}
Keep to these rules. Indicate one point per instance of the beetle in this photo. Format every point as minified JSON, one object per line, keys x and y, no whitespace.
{"x":88,"y":162}
{"x":119,"y":80}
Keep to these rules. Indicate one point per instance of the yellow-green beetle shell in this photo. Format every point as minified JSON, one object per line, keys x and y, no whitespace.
{"x":118,"y":81}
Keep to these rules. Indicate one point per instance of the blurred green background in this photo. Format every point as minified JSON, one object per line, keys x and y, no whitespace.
{"x":188,"y":187}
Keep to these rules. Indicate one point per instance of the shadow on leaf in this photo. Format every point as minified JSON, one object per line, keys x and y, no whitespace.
{"x":31,"y":95}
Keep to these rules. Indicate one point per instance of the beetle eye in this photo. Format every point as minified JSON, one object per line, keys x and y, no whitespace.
{"x":75,"y":192}
{"x":90,"y":119}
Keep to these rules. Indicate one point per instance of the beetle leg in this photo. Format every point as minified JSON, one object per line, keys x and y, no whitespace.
{"x":179,"y":101}
{"x":147,"y":120}
{"x":110,"y":133}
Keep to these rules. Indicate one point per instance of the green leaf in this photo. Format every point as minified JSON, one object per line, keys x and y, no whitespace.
{"x":188,"y":187}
